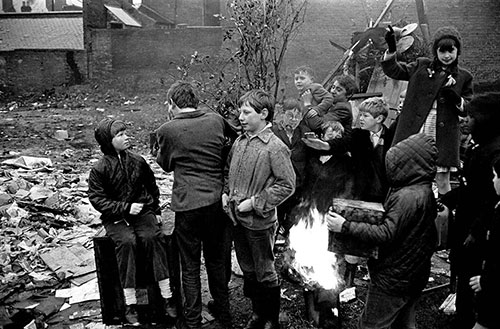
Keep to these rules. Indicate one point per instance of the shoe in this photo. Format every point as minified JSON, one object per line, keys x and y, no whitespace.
{"x":131,"y":315}
{"x":170,"y":308}
{"x":256,"y":322}
{"x":224,"y":317}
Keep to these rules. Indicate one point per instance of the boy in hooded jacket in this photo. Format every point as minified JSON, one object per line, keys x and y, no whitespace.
{"x":122,"y":187}
{"x":406,"y":236}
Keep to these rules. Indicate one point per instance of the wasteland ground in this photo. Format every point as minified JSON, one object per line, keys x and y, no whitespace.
{"x":28,"y":127}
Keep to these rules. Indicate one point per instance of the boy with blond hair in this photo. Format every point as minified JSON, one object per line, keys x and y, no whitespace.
{"x":369,"y":145}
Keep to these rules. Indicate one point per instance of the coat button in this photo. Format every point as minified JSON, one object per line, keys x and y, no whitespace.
{"x":441,"y":100}
{"x":441,"y":124}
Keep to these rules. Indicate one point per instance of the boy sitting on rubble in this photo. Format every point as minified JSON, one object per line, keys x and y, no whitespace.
{"x":122,"y":187}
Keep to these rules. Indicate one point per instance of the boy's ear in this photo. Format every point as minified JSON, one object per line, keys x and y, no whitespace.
{"x":380,"y":118}
{"x":264,"y":113}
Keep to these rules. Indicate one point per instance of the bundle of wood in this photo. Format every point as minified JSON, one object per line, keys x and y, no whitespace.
{"x":359,"y":211}
{"x":356,"y":211}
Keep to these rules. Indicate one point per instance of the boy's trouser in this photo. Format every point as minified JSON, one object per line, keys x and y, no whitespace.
{"x":384,"y":311}
{"x":126,"y":235}
{"x":254,"y":250}
{"x":205,"y":226}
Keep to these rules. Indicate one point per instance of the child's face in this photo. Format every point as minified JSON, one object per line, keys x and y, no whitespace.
{"x":291,"y":119}
{"x":446,"y":57}
{"x":120,"y":141}
{"x":402,"y":97}
{"x":251,"y":121}
{"x":330,"y":134}
{"x":368,"y":122}
{"x":339,"y":93}
{"x":302,"y":80}
{"x":496,"y":182}
{"x":464,"y":125}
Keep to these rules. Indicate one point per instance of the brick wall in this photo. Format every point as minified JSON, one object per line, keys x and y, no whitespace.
{"x":132,"y":51}
{"x":37,"y":70}
{"x":477,"y":20}
{"x":138,"y":52}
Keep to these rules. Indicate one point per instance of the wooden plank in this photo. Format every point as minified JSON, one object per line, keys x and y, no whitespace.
{"x":388,"y":5}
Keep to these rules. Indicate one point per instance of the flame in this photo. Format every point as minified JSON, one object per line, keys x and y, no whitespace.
{"x":312,"y":260}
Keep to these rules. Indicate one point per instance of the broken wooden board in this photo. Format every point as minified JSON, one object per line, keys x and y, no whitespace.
{"x":70,"y":261}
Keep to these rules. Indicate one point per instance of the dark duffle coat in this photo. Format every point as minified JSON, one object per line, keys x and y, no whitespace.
{"x":423,"y":88}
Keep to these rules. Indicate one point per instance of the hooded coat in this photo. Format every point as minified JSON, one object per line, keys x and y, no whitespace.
{"x":407,"y":235}
{"x":115,"y":182}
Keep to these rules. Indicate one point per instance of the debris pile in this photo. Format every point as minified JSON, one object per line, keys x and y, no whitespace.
{"x":47,"y":265}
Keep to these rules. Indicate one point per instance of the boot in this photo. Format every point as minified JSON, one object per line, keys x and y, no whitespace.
{"x":257,"y":320}
{"x":350,"y":273}
{"x":131,"y":316}
{"x":272,"y":307}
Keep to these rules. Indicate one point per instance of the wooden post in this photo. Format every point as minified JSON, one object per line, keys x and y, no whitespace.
{"x":422,"y":19}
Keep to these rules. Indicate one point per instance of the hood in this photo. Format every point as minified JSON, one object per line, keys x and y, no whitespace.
{"x":104,"y":136}
{"x":447,"y":32}
{"x":411,"y":161}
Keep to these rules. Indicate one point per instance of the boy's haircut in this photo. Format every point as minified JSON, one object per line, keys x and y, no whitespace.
{"x":348,"y":82}
{"x":183,"y":95}
{"x":259,"y":99}
{"x":375,"y":106}
{"x":335,"y":125}
{"x":291,"y":104}
{"x":305,"y":69}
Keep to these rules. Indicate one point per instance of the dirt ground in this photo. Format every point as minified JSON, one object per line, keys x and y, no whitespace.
{"x":29,"y":124}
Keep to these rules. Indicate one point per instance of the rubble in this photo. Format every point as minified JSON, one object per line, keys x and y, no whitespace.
{"x":47,"y":260}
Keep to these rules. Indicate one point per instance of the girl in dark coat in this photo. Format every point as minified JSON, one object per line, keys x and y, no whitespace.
{"x":435,"y":97}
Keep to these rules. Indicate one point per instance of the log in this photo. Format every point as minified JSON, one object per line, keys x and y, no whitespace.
{"x":357,"y":211}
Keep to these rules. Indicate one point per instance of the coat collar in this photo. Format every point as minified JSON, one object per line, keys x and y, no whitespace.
{"x":264,"y":135}
{"x":190,"y":114}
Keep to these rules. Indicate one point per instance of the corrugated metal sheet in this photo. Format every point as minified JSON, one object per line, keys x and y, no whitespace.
{"x":122,"y":15}
{"x":41,"y":33}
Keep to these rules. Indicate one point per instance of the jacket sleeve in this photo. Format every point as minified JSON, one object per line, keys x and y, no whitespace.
{"x":102,"y":202}
{"x":229,"y":157}
{"x":151,"y":187}
{"x":325,"y":100}
{"x":398,"y":70}
{"x":378,"y":233}
{"x":164,"y":157}
{"x":340,"y":145}
{"x":279,"y":187}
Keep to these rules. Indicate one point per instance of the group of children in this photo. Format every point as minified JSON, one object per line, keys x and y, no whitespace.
{"x":312,"y":155}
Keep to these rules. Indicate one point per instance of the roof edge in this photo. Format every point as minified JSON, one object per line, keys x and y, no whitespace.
{"x":65,"y":14}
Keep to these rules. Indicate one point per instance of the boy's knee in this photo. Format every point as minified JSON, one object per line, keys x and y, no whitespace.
{"x":128,"y":241}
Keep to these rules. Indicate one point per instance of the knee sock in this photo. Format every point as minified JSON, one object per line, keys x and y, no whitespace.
{"x":129,"y":294}
{"x":165,"y":288}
